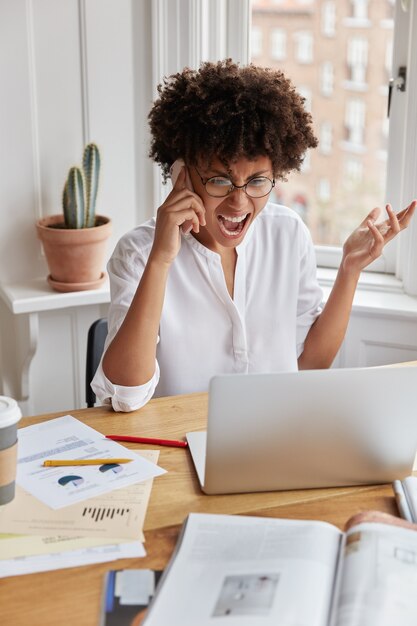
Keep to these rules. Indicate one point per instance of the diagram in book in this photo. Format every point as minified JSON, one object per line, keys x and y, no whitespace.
{"x":246,"y":594}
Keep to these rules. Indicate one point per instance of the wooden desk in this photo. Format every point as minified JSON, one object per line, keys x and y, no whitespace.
{"x":73,"y":596}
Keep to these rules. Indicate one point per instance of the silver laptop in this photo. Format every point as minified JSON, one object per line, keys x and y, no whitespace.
{"x":313,"y":428}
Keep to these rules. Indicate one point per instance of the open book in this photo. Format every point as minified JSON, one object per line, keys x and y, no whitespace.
{"x":406,"y":495}
{"x":255,"y":571}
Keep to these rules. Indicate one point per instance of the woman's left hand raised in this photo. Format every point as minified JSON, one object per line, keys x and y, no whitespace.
{"x":367,"y":242}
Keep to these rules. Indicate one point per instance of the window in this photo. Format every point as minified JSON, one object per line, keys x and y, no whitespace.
{"x":326,"y":78}
{"x":359,"y":9}
{"x":353,"y":173}
{"x":355,"y":121}
{"x":358,"y":17}
{"x":323,"y":190}
{"x":304,"y":47}
{"x":338,"y":84}
{"x":256,"y":42}
{"x":223,"y":29}
{"x":357,"y":58}
{"x":326,"y":137}
{"x":328,"y":19}
{"x":278,"y":44}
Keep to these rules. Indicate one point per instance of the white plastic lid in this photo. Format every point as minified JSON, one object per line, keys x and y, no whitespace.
{"x":10,"y":412}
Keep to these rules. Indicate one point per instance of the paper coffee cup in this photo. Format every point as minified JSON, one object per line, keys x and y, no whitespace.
{"x":10,"y":415}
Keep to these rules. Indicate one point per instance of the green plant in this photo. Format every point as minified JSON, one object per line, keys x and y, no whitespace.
{"x":80,"y":191}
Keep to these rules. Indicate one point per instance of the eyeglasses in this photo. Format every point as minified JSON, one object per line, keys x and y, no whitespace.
{"x":221,"y":186}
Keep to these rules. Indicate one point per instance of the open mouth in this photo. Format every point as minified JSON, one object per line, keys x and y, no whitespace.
{"x":232,"y":226}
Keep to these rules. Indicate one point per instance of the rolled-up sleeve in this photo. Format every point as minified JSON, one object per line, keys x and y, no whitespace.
{"x":310,"y":294}
{"x":124,"y":275}
{"x":123,"y":398}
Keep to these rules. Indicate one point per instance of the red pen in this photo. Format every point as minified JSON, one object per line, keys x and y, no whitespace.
{"x":159,"y":442}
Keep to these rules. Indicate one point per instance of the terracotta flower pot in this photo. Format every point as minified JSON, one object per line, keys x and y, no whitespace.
{"x":75,"y":256}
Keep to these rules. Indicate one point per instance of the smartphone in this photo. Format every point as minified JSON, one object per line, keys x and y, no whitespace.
{"x":175,"y":170}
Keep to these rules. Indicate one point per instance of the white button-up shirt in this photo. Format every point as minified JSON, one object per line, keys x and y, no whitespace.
{"x":203,"y":331}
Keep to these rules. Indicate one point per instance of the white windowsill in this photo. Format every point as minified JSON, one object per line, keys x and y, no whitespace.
{"x":36,"y":295}
{"x":380,"y":294}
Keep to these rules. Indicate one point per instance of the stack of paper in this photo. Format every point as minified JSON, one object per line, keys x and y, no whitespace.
{"x":77,"y":517}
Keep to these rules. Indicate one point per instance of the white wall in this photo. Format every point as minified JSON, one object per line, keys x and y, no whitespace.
{"x":71,"y":72}
{"x":68,"y":77}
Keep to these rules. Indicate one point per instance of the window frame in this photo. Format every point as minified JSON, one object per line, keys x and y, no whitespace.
{"x":215,"y":29}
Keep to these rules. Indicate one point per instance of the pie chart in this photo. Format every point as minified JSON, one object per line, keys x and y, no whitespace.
{"x":75,"y":481}
{"x":114,"y":468}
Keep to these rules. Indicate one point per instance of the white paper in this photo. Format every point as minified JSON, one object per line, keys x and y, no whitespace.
{"x":120,"y":513}
{"x":76,"y":558}
{"x":248,"y":570}
{"x":379,"y":577}
{"x":68,"y":438}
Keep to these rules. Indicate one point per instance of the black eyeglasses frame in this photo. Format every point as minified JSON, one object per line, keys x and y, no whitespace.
{"x":233,"y":186}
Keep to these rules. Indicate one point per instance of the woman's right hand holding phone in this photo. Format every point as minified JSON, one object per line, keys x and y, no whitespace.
{"x":183,"y":210}
{"x":130,"y":358}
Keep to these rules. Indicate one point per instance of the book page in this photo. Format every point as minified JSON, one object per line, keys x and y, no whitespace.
{"x":379,"y":576}
{"x":249,"y":570}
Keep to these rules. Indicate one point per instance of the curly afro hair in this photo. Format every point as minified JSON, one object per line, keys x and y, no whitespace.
{"x":228,"y":111}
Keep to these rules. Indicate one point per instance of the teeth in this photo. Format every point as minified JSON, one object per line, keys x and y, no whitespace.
{"x":236,"y":220}
{"x":232,"y":232}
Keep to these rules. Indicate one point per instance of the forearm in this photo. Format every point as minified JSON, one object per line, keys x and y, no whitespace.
{"x":328,"y":331}
{"x":130,"y":358}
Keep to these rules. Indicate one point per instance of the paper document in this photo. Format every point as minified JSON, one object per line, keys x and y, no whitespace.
{"x":120,"y":513}
{"x":74,"y":558}
{"x":21,"y":546}
{"x":68,"y":438}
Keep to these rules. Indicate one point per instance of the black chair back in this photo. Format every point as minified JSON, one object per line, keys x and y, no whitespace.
{"x":97,"y":334}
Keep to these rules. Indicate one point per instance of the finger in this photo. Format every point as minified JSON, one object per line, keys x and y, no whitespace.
{"x":372,"y":215}
{"x":187,"y":227}
{"x":186,"y":215}
{"x":190,"y":225}
{"x":378,"y":242}
{"x":409,"y":209}
{"x":186,"y":199}
{"x":394,"y":224}
{"x":406,"y":214}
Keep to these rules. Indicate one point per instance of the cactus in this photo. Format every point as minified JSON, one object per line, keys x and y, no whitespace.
{"x":80,"y":191}
{"x":73,"y":199}
{"x":91,"y":167}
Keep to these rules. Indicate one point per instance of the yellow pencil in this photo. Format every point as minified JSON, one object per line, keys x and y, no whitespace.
{"x":57,"y":463}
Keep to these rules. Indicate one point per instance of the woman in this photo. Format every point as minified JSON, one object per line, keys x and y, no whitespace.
{"x":223,"y":281}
